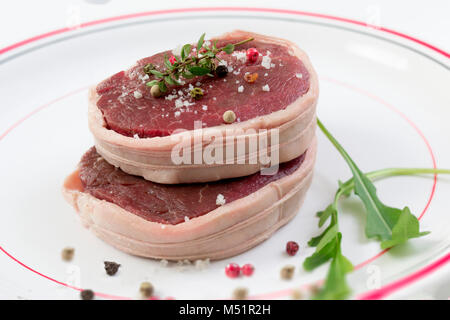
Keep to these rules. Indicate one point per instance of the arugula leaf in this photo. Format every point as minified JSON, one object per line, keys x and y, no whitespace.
{"x":325,"y":214}
{"x":389,"y":225}
{"x":320,"y":257}
{"x":381,"y":219}
{"x":406,"y":227}
{"x":336,"y":287}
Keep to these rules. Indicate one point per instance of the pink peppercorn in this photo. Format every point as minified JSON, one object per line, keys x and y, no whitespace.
{"x":232,"y":270}
{"x":247,"y":269}
{"x":172,"y":59}
{"x":291,"y":248}
{"x":252,"y":55}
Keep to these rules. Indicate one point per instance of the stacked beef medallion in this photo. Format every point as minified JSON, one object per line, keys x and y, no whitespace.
{"x":144,"y":188}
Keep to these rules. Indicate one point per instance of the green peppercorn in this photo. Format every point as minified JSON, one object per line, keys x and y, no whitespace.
{"x":221,"y":71}
{"x":196,"y":93}
{"x":155,"y":91}
{"x":240,"y":293}
{"x":229,"y":116}
{"x":67,"y":254}
{"x":146,"y":289}
{"x":148,"y":67}
{"x":287,"y":272}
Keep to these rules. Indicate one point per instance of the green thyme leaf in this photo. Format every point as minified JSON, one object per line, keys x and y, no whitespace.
{"x":157,"y":73}
{"x":200,"y":42}
{"x":229,"y":48}
{"x":162,"y":86}
{"x":199,"y":71}
{"x":185,"y":51}
{"x":152,"y":83}
{"x":170,"y":80}
{"x":187,"y":75}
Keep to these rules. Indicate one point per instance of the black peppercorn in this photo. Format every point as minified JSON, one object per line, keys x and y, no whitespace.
{"x":87,"y":294}
{"x":221,"y":71}
{"x":111,"y":268}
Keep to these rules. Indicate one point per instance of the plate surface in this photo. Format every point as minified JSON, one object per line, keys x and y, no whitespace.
{"x":385,"y":98}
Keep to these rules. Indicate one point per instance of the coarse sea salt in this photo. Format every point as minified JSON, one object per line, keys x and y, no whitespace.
{"x":299,"y":75}
{"x":266,"y":62}
{"x":240,"y":89}
{"x":164,"y":262}
{"x":177,"y":113}
{"x":240,"y":56}
{"x":266,"y":88}
{"x":201,"y":264}
{"x":137,"y":94}
{"x":205,"y":107}
{"x":220,"y":201}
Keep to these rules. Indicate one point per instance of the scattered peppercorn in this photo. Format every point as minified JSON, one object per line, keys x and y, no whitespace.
{"x":111,"y":268}
{"x":229,"y":116}
{"x":314,"y":289}
{"x":251,"y":77}
{"x":87,"y":294}
{"x":292,"y":248}
{"x":146,"y":289}
{"x":287,"y":272}
{"x":247,"y":269}
{"x":148,"y":67}
{"x":221,"y":71}
{"x":196,"y":93}
{"x":232,"y":270}
{"x":296,"y":294}
{"x":67,"y":254}
{"x":240,"y":293}
{"x":155,"y":91}
{"x":252,"y":55}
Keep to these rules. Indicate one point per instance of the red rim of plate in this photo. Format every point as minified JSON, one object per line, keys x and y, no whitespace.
{"x":374,"y":294}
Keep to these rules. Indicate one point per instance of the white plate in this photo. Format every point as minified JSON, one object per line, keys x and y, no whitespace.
{"x":384,"y":97}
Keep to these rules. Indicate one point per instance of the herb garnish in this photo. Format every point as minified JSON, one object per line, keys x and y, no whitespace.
{"x":390,"y":226}
{"x":189,"y":66}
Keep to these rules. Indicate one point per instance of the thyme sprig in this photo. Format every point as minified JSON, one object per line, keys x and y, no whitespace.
{"x":189,"y":65}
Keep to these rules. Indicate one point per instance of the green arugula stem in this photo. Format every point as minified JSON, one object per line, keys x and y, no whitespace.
{"x":349,"y":185}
